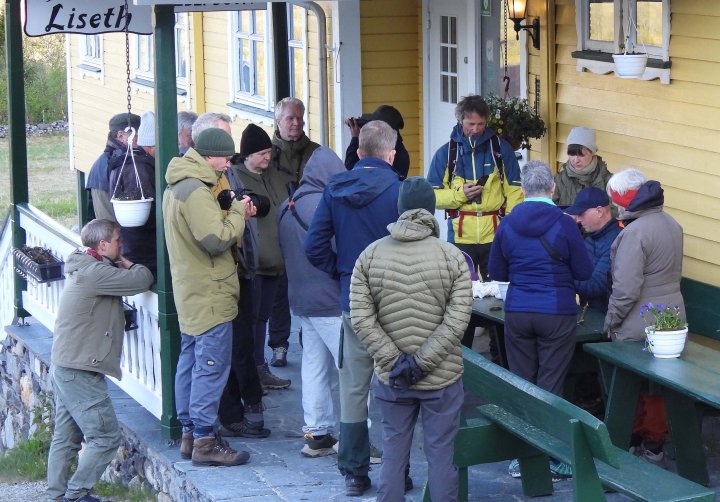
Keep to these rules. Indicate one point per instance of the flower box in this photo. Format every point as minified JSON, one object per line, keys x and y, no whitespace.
{"x":38,"y":264}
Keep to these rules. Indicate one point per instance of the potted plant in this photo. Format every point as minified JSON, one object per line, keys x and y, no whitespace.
{"x":514,"y":120}
{"x":630,"y":64}
{"x":38,"y":264}
{"x":667,"y":334}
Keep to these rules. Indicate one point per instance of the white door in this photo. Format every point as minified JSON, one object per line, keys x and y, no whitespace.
{"x":450,"y":50}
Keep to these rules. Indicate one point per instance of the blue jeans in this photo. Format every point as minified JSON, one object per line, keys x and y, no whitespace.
{"x":202,"y":372}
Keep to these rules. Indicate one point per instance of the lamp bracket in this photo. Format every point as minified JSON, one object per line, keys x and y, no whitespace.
{"x":533,"y":30}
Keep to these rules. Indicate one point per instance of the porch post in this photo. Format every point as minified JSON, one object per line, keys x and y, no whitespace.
{"x":167,"y":147}
{"x":282,"y":53}
{"x":16,"y":134}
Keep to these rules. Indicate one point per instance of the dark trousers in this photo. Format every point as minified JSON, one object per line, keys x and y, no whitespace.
{"x":479,"y":253}
{"x":440,"y":412}
{"x":540,"y":347}
{"x":279,"y":329}
{"x":243,"y":383}
{"x":265,"y":288}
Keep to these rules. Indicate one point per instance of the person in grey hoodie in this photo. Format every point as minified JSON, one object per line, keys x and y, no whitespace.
{"x":315,"y":298}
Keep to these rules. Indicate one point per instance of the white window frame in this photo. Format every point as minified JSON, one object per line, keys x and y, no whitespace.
{"x":143,"y":65}
{"x":239,"y":96}
{"x":622,"y":9}
{"x":91,"y":53}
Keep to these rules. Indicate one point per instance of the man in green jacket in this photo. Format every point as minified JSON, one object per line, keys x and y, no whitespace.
{"x":204,"y":277}
{"x":87,"y":345}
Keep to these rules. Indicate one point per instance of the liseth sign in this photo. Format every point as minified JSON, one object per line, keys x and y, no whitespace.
{"x":45,"y":17}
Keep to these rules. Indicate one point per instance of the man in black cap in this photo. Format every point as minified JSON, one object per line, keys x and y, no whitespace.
{"x":592,"y":210}
{"x":391,"y":116}
{"x":98,"y":181}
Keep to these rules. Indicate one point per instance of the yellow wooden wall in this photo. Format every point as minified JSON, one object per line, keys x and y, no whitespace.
{"x":670,"y":132}
{"x":391,"y":65}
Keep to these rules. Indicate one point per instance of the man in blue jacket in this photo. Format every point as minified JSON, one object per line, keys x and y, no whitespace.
{"x":592,"y":210}
{"x":356,"y":208}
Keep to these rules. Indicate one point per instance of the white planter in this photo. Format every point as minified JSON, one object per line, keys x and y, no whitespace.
{"x":132,"y":213}
{"x":630,"y":65}
{"x":503,"y":287}
{"x":666,"y":344}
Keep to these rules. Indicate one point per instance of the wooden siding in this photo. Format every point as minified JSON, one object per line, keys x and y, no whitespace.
{"x":670,"y":132}
{"x":391,"y":44}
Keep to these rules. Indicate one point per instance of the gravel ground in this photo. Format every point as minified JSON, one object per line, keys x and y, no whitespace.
{"x":23,"y":491}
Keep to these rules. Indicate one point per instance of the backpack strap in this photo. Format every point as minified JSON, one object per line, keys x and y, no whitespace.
{"x":497,"y":156}
{"x":291,"y":206}
{"x":452,"y":160}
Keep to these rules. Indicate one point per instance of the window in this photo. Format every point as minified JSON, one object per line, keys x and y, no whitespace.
{"x":605,"y":26}
{"x":297,"y":50}
{"x":253,"y":63}
{"x":142,"y":55}
{"x":91,"y":52}
{"x":448,"y":60}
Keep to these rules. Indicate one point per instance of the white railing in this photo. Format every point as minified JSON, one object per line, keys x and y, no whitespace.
{"x":7,"y":286}
{"x":141,"y":349}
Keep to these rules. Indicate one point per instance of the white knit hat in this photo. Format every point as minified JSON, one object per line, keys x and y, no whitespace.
{"x":582,"y":136}
{"x":146,"y":131}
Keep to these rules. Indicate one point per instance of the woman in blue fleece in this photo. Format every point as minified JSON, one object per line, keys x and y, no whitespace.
{"x":539,"y":249}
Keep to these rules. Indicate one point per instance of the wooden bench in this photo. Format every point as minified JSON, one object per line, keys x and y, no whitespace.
{"x":556,"y":428}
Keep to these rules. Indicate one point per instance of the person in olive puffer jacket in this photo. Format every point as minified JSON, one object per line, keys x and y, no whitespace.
{"x":410,"y":302}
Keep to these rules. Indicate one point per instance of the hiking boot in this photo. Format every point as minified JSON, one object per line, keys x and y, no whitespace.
{"x":560,"y":470}
{"x":279,"y":357}
{"x":270,"y":381}
{"x":243,"y":430}
{"x":186,"y":445}
{"x":514,"y":468}
{"x":356,"y":485}
{"x":318,"y":446}
{"x":253,"y":415}
{"x":215,"y":451}
{"x":85,"y":498}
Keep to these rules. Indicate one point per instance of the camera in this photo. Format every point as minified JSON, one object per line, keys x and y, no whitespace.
{"x":261,"y":202}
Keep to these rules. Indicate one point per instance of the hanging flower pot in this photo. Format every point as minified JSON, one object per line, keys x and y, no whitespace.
{"x":132,"y":213}
{"x":666,"y":344}
{"x":630,"y":65}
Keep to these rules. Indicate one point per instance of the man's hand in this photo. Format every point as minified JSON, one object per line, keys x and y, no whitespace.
{"x":250,"y":209}
{"x":354,"y":127}
{"x":124,"y":263}
{"x":472,"y":191}
{"x":405,"y":372}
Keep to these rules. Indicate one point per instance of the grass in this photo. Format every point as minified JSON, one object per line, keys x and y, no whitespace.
{"x":116,"y":491}
{"x":51,"y":183}
{"x":27,"y":461}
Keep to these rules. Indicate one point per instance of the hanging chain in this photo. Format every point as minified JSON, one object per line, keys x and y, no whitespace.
{"x":506,"y":78}
{"x":127,"y":58}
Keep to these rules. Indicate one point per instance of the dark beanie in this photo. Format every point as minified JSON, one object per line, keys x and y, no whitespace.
{"x":120,"y":121}
{"x":390,"y":115}
{"x":254,"y":139}
{"x":214,"y":142}
{"x":416,"y":193}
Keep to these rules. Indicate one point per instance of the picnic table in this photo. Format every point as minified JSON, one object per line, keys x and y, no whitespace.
{"x":686,"y":383}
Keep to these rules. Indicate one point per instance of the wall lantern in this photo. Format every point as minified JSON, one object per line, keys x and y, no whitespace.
{"x":516,"y":10}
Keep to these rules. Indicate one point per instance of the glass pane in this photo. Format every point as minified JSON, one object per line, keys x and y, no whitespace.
{"x":260,"y":22}
{"x":453,"y":30}
{"x":297,"y":73}
{"x":454,"y":89}
{"x":444,"y":30}
{"x":260,"y":69}
{"x":244,"y":21}
{"x":444,"y":54}
{"x":444,"y":88}
{"x":244,"y":66}
{"x":649,"y":23}
{"x":602,"y":20}
{"x":297,"y":24}
{"x":453,"y":60}
{"x":180,"y":62}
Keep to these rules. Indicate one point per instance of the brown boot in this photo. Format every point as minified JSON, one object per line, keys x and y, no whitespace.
{"x":186,"y":445}
{"x":213,"y":450}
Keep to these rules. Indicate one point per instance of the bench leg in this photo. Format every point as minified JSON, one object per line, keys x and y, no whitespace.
{"x":586,"y":482}
{"x":623,"y":395}
{"x":535,"y":476}
{"x":685,"y":423}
